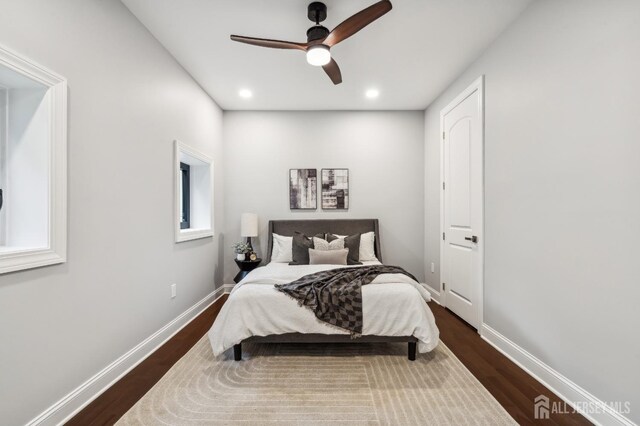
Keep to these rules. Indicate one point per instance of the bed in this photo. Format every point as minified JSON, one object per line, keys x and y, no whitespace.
{"x":394,"y":306}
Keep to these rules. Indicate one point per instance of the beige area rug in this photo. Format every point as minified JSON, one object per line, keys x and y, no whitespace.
{"x":324,"y":384}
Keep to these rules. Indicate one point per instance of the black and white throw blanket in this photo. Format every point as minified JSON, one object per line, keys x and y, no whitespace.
{"x":335,"y":296}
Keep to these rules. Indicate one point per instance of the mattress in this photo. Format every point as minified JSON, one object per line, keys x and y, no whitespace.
{"x":392,"y":305}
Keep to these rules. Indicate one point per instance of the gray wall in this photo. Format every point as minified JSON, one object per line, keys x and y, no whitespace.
{"x":128,"y":100}
{"x":383,"y":151}
{"x":562,"y":184}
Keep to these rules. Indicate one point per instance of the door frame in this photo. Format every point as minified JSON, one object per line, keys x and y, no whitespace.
{"x":476,"y":86}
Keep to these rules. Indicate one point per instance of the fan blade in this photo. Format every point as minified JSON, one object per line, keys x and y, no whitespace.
{"x":264,"y":42}
{"x":357,"y":22}
{"x":333,"y":71}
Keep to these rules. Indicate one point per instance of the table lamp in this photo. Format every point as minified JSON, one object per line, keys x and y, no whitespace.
{"x":249,"y":227}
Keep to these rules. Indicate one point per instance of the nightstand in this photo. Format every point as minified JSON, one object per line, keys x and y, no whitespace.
{"x":245,"y":266}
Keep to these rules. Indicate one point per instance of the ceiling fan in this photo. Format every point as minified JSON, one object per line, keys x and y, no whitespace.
{"x":320,"y":40}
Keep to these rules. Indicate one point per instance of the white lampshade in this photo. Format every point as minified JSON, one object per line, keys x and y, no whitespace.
{"x":249,"y":225}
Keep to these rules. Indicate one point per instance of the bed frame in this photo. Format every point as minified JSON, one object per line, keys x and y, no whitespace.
{"x":312,"y":227}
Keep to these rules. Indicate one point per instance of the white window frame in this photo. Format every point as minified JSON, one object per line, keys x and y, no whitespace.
{"x":189,"y":234}
{"x":56,"y":252}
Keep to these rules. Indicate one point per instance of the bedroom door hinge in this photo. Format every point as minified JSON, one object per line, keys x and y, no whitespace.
{"x":443,"y":236}
{"x":442,"y":135}
{"x":443,"y":186}
{"x":444,"y":286}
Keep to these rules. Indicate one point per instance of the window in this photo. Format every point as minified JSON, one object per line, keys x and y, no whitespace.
{"x":33,"y":179}
{"x":185,"y":195}
{"x":193,"y":193}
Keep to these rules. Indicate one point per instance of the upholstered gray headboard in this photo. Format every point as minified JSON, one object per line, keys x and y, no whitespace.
{"x":332,"y":226}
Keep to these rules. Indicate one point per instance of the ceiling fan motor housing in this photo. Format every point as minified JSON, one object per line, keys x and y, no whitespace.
{"x":317,"y":32}
{"x":317,"y":12}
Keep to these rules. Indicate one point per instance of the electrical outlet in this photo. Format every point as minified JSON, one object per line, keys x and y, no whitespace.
{"x":433,"y":267}
{"x":173,"y":290}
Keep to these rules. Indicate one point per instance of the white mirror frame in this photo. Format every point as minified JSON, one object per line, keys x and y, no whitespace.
{"x":190,"y":233}
{"x":56,"y":252}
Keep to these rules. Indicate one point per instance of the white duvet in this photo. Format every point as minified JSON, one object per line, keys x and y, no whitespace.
{"x":392,"y":305}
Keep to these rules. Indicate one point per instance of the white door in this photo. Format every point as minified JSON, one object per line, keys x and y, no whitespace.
{"x":462,"y":204}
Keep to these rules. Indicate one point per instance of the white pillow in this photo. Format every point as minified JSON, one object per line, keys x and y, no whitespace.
{"x":320,"y":244}
{"x":367,"y":249}
{"x":282,"y":250}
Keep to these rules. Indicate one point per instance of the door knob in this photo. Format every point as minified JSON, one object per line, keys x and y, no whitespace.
{"x":473,"y":239}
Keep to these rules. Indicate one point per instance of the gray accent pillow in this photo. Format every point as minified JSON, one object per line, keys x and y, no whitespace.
{"x":351,"y":242}
{"x":328,"y":257}
{"x":300,"y":248}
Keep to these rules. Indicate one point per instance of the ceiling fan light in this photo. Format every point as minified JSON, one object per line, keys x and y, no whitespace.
{"x":318,"y":55}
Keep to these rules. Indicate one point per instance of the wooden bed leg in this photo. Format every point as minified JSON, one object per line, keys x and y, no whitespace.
{"x":412,"y":351}
{"x":237,"y":352}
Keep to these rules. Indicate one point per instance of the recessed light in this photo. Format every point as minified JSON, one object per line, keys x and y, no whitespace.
{"x":372,"y":93}
{"x":245,"y":93}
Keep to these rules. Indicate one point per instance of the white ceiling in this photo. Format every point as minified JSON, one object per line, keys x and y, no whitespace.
{"x":410,"y":55}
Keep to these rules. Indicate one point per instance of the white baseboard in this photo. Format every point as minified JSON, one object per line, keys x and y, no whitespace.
{"x":228,"y":288}
{"x":435,"y":295}
{"x":556,"y":382}
{"x":76,"y":400}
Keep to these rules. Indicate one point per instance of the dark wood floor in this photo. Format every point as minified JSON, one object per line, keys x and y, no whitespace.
{"x":509,"y":384}
{"x":514,"y":389}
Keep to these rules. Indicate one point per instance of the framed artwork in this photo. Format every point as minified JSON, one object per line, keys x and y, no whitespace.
{"x":335,"y":189}
{"x":303,"y":189}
